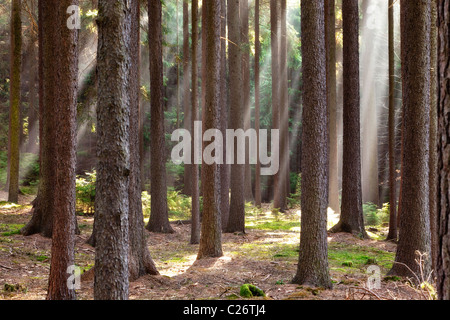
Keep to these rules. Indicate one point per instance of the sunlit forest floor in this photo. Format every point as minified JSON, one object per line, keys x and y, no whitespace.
{"x":265,"y":256}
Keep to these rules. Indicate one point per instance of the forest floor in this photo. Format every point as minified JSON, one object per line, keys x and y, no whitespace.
{"x":265,"y":256}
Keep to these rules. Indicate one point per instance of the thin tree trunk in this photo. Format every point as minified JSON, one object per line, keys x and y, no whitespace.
{"x":236,"y":220}
{"x":330,"y":42}
{"x":113,"y":149}
{"x":351,"y":220}
{"x":257,"y":102}
{"x":414,"y":228}
{"x":186,"y":91}
{"x":443,"y":204}
{"x":14,"y":114}
{"x":195,"y":226}
{"x":312,"y":268}
{"x":159,"y":216}
{"x":211,"y":231}
{"x":393,"y":232}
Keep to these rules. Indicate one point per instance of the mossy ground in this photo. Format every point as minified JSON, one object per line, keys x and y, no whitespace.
{"x":265,"y":256}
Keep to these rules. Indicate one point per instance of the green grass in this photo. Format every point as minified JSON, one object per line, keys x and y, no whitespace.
{"x":8,"y":230}
{"x":274,"y":225}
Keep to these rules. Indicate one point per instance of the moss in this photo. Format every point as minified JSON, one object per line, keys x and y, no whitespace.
{"x":250,"y":291}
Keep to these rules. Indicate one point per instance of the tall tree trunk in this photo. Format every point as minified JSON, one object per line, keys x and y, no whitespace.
{"x":236,"y":220}
{"x":139,"y":259}
{"x":64,"y":110}
{"x":414,"y":233}
{"x":186,"y":91}
{"x":351,"y":220}
{"x":433,"y":133}
{"x":284,"y":109}
{"x":14,"y":98}
{"x":257,"y":102}
{"x":211,"y":233}
{"x":312,"y":268}
{"x":224,"y":168}
{"x":245,"y":43}
{"x":113,"y":150}
{"x":195,"y":211}
{"x":159,"y":216}
{"x":330,"y":42}
{"x":443,"y":203}
{"x":393,"y":232}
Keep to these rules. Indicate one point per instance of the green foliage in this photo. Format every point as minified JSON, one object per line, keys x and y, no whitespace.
{"x":179,"y":205}
{"x":85,"y":193}
{"x":250,"y":291}
{"x":7,"y":230}
{"x":295,"y":199}
{"x":374,"y":216}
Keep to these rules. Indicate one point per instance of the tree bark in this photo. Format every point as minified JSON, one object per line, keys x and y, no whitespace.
{"x":414,"y":227}
{"x":113,"y":150}
{"x":186,"y":91}
{"x":312,"y":268}
{"x":236,"y":220}
{"x":14,"y":113}
{"x":258,"y":199}
{"x":64,"y":110}
{"x":211,"y":230}
{"x":330,"y":42}
{"x":195,"y":225}
{"x":139,"y":259}
{"x":351,"y":220}
{"x":443,"y":203}
{"x":159,"y":216}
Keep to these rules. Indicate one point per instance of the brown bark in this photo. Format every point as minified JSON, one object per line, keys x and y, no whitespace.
{"x":64,"y":114}
{"x":195,"y":225}
{"x":312,"y":268}
{"x":159,"y":216}
{"x":257,"y":101}
{"x":414,"y":227}
{"x":211,"y":230}
{"x":443,"y":203}
{"x":113,"y":150}
{"x":393,"y":232}
{"x":139,"y":258}
{"x":236,"y":220}
{"x":330,"y":42}
{"x":351,"y":220}
{"x":186,"y":91}
{"x":14,"y":111}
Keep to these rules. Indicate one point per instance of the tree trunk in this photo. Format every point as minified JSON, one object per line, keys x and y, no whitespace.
{"x":139,"y":260}
{"x":159,"y":216}
{"x":330,"y":42}
{"x":257,"y":102}
{"x":195,"y":225}
{"x":236,"y":220}
{"x":414,"y":233}
{"x":245,"y":44}
{"x":186,"y":91}
{"x":211,"y":233}
{"x":393,"y":232}
{"x":443,"y":203}
{"x":312,"y":268}
{"x":224,"y":168}
{"x":64,"y":110}
{"x":113,"y":150}
{"x":14,"y":113}
{"x":351,"y":220}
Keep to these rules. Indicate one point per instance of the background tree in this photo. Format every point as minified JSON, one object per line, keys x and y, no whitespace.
{"x":159,"y":216}
{"x":312,"y":268}
{"x":211,"y":232}
{"x":113,"y":169}
{"x":330,"y":42}
{"x":414,"y":227}
{"x":351,"y":219}
{"x":14,"y":114}
{"x":257,"y":101}
{"x":236,"y":218}
{"x":443,"y":203}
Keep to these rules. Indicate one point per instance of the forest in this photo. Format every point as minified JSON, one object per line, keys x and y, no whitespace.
{"x":232,"y":150}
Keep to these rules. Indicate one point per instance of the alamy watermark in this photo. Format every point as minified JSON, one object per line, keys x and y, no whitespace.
{"x":235,"y":148}
{"x":74,"y":21}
